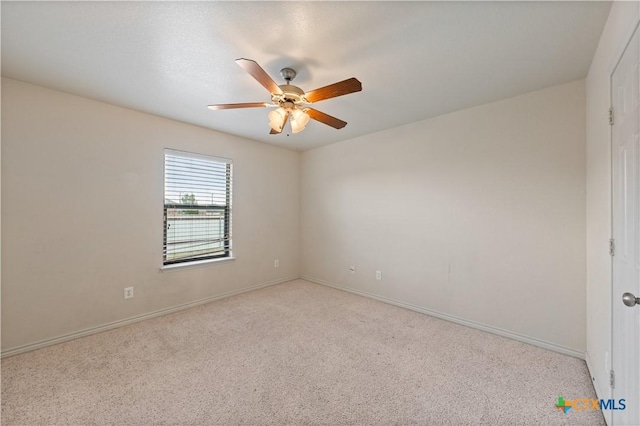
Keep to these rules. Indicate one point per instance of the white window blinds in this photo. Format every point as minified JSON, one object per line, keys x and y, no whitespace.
{"x":197,"y":207}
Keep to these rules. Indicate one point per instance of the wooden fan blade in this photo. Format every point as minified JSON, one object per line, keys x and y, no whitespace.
{"x":244,"y":105}
{"x":284,"y":122}
{"x":333,"y":90}
{"x":320,"y":116}
{"x":259,"y":74}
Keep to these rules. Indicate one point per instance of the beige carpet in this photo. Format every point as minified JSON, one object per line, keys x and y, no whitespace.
{"x":296,"y":353}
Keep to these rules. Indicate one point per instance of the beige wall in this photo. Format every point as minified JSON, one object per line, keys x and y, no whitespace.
{"x":82,"y":194}
{"x":617,"y":32}
{"x":478,"y":215}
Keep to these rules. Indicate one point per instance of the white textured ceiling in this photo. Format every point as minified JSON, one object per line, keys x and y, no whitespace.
{"x":415,"y":59}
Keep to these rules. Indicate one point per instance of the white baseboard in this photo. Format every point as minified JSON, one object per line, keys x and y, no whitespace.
{"x":504,"y":333}
{"x":598,"y":388}
{"x":115,"y":324}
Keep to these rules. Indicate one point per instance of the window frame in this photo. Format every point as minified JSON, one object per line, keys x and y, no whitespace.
{"x":226,"y":209}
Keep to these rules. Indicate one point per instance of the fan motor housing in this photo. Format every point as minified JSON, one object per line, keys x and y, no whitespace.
{"x":290,"y":93}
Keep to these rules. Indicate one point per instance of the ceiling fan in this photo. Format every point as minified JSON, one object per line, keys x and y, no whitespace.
{"x":290,"y":100}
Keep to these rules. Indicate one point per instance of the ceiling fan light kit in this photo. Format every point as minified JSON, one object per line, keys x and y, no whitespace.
{"x":276,"y":118}
{"x":299,"y":120}
{"x":291,"y":99}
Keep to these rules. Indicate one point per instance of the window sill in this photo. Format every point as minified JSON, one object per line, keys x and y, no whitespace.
{"x":197,"y":264}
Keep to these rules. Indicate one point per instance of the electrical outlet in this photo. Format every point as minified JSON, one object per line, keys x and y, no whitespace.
{"x":352,"y":269}
{"x":128,"y":293}
{"x":378,"y":275}
{"x":276,"y":263}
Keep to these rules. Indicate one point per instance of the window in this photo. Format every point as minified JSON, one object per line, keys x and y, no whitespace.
{"x":197,"y":207}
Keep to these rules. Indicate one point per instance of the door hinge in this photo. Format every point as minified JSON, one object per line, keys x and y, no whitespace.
{"x":612,"y":379}
{"x":611,"y":116}
{"x":612,"y":247}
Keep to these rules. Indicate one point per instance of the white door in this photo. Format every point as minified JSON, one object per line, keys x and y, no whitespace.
{"x":625,"y":87}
